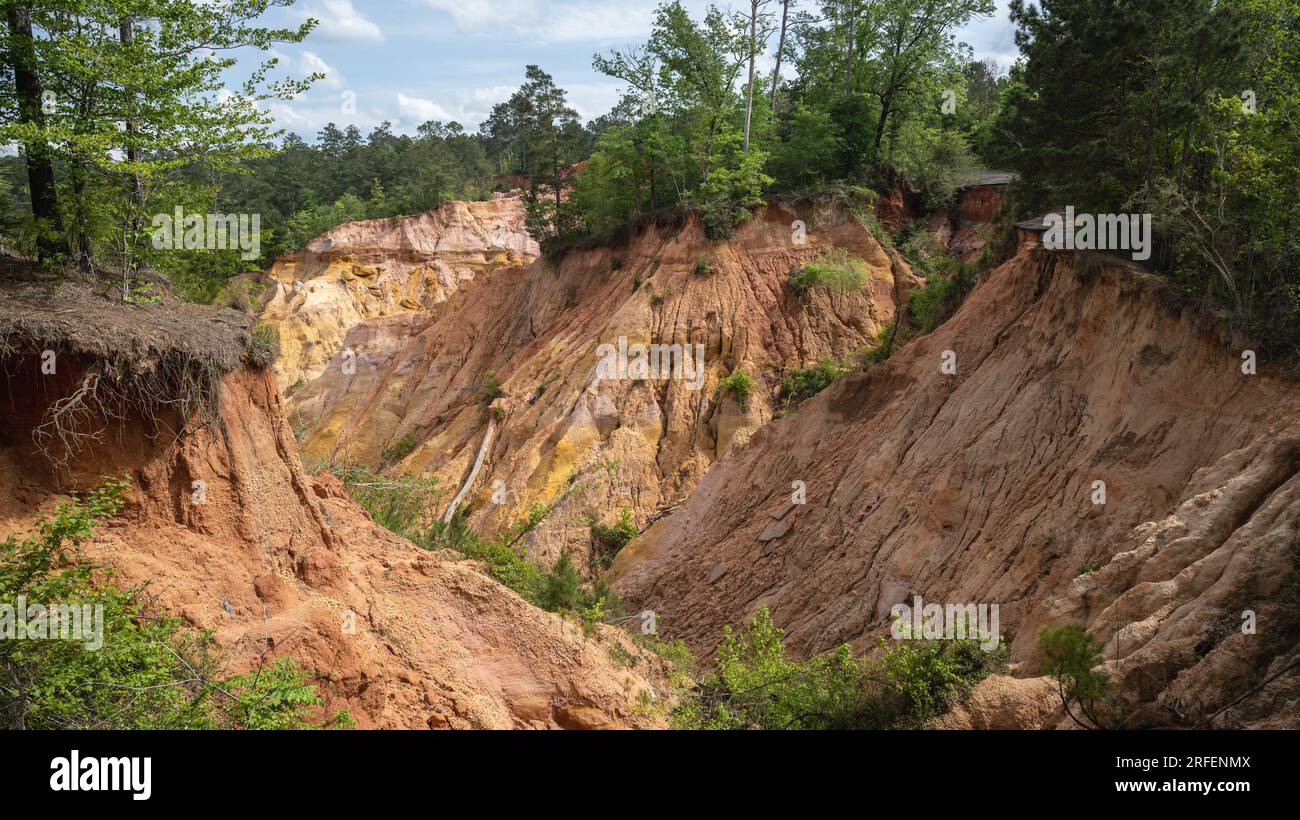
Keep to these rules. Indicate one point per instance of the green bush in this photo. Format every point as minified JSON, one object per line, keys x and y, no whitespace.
{"x":808,"y":382}
{"x":1070,"y":657}
{"x":404,"y":505}
{"x":562,"y":590}
{"x":703,"y":266}
{"x":835,"y":270}
{"x":886,"y":343}
{"x":147,"y":671}
{"x":506,"y":565}
{"x":561,"y":585}
{"x":739,"y":386}
{"x":754,"y":685}
{"x":400,"y":448}
{"x":492,"y":389}
{"x":928,"y":305}
{"x":264,"y":346}
{"x":277,"y":697}
{"x":607,"y":540}
{"x":943,"y":293}
{"x":947,"y":281}
{"x":927,"y":677}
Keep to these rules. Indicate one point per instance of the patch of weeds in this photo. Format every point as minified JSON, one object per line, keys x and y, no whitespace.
{"x":800,"y":385}
{"x":399,"y":449}
{"x":739,"y":386}
{"x":265,"y":345}
{"x":835,"y":271}
{"x":607,"y":540}
{"x":658,"y":299}
{"x":754,"y":685}
{"x":492,"y":389}
{"x":621,"y":657}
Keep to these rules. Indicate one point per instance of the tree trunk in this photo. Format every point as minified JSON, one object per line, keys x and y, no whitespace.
{"x":78,"y":232}
{"x":708,"y":153}
{"x":135,"y":195}
{"x":780,"y":47}
{"x":853,"y":25}
{"x":886,"y":102}
{"x":132,"y":149}
{"x":40,"y":170}
{"x":650,"y":155}
{"x":753,"y":52}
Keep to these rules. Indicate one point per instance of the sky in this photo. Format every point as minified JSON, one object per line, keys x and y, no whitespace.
{"x":410,"y":61}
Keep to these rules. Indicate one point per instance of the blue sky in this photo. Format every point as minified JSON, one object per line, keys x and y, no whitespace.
{"x":408,"y":61}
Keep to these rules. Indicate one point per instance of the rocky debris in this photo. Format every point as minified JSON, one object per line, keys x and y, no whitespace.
{"x":982,"y":487}
{"x":784,"y":511}
{"x":774,"y":530}
{"x":1003,"y":702}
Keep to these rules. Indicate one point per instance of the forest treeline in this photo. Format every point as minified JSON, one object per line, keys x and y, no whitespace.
{"x":1184,"y":109}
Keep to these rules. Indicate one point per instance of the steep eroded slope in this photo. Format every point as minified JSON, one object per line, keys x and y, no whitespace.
{"x":979,"y":487}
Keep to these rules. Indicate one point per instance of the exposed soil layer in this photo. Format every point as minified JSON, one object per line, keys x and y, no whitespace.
{"x":232,"y":536}
{"x":980,"y":486}
{"x":566,"y":436}
{"x":385,"y":267}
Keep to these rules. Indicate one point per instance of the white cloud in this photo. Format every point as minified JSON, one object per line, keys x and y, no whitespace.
{"x":475,"y":104}
{"x":415,"y":111}
{"x":477,"y":14}
{"x":286,"y":116}
{"x":592,"y":99}
{"x":340,"y":21}
{"x":310,"y":63}
{"x":584,"y":23}
{"x":992,"y":37}
{"x":560,"y":21}
{"x":306,"y":119}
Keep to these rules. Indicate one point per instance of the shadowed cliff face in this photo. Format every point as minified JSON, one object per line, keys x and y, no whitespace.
{"x":571,"y":432}
{"x":982,"y":486}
